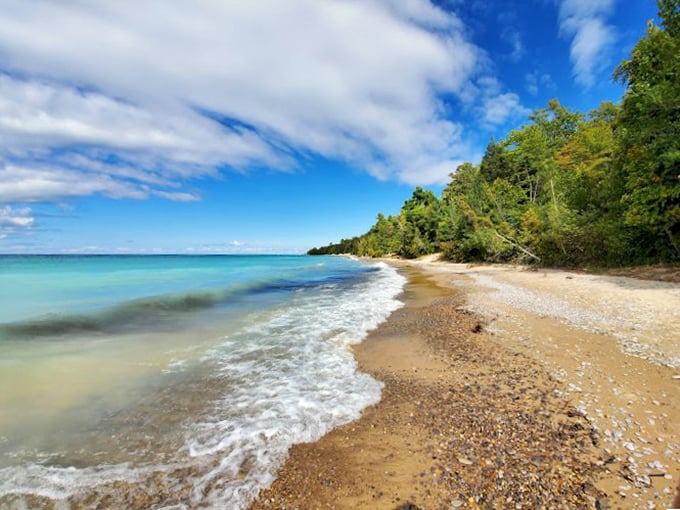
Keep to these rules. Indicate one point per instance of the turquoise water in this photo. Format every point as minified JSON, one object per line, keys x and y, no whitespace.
{"x":36,"y":287}
{"x":188,"y":376}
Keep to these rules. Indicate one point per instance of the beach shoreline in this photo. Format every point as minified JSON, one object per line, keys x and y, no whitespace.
{"x":490,"y":402}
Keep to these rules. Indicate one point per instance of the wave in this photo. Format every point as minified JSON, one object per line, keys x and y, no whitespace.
{"x":286,"y":377}
{"x":156,"y":311}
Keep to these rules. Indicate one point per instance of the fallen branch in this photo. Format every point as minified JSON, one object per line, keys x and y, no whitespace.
{"x":518,"y":246}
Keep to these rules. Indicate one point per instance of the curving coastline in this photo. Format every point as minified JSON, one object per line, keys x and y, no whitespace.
{"x":493,"y":402}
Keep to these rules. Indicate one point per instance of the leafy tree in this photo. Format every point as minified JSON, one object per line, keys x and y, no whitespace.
{"x":592,"y":186}
{"x":649,"y":129}
{"x":565,"y":188}
{"x":419,"y":217}
{"x":345,"y":246}
{"x":495,"y":163}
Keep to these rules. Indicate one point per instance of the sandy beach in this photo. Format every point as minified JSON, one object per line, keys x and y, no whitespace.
{"x":507,"y":388}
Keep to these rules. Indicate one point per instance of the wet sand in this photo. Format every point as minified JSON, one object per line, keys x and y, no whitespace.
{"x":489,"y":403}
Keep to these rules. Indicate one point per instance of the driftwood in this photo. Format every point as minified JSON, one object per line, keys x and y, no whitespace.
{"x":518,"y":246}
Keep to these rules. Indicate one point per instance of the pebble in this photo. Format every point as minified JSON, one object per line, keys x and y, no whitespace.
{"x":490,"y":444}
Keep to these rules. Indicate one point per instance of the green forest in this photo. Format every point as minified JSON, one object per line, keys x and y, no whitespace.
{"x":567,"y":188}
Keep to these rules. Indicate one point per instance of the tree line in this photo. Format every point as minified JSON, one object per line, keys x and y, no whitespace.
{"x":566,"y":188}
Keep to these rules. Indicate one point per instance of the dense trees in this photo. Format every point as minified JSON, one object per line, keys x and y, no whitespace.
{"x":650,"y":130}
{"x":566,"y":188}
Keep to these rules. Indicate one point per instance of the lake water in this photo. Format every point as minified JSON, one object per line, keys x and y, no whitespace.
{"x":175,"y":381}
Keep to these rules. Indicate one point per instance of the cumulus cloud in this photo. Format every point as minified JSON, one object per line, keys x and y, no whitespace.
{"x":135,"y":100}
{"x":584,"y":21}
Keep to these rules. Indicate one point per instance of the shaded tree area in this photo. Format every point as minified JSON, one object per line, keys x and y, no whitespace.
{"x":566,"y":188}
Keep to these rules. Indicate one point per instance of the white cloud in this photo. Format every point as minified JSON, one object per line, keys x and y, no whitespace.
{"x":531,"y":83}
{"x":489,"y":85}
{"x":242,"y":248}
{"x":534,"y":81}
{"x":16,"y":217}
{"x":590,"y":40}
{"x":424,"y":13}
{"x":13,"y":219}
{"x":352,"y":80}
{"x":35,"y":114}
{"x":500,"y":108}
{"x":39,"y":184}
{"x":585,"y":8}
{"x":434,"y":173}
{"x":585,"y":22}
{"x":495,"y":105}
{"x":514,"y":39}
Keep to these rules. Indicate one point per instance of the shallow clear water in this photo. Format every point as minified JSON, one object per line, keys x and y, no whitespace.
{"x":192,"y":375}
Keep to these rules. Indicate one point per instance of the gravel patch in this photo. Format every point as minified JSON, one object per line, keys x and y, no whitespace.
{"x":626,"y":322}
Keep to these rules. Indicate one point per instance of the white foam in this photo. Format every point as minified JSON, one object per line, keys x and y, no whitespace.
{"x":288,"y":377}
{"x":58,"y":483}
{"x":316,"y":386}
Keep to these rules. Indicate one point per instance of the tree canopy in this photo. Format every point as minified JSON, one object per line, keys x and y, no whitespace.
{"x":566,"y":188}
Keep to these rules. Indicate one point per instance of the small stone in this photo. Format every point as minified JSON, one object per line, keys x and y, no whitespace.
{"x":456,"y":503}
{"x":655,"y":465}
{"x":643,"y":481}
{"x":464,"y":461}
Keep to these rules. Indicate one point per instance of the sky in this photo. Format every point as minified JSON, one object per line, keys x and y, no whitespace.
{"x":270,"y":126}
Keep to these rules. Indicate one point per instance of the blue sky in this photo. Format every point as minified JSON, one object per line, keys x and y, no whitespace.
{"x":271,"y":126}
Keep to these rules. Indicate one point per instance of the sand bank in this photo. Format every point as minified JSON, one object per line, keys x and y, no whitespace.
{"x":507,"y":388}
